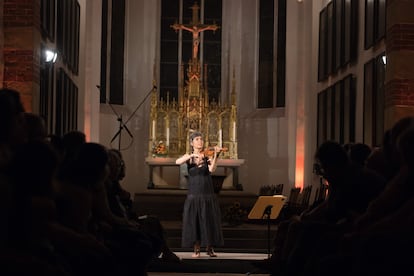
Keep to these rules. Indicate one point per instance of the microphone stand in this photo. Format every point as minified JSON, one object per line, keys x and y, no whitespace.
{"x":119,"y":119}
{"x":266,"y":213}
{"x":136,"y":109}
{"x":119,"y":133}
{"x":122,"y":125}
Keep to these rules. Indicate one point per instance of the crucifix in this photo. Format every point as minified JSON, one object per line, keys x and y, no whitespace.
{"x":196,"y":28}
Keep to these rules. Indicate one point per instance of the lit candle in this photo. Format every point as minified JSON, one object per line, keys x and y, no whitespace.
{"x":220,"y":143}
{"x":168,"y":137}
{"x":153,"y":130}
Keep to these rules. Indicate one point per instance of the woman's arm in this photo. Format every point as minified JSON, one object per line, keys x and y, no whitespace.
{"x":184,"y":158}
{"x":212,"y":166}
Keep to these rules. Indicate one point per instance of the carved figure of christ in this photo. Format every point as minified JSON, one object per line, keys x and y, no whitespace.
{"x":196,"y":30}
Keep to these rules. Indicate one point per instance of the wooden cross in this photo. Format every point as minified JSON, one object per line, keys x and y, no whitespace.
{"x":196,"y":28}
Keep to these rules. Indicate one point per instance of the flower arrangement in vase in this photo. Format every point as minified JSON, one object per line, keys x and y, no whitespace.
{"x":159,"y":149}
{"x":234,"y":214}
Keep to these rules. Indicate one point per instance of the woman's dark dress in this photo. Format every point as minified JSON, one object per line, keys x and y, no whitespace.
{"x":201,"y":215}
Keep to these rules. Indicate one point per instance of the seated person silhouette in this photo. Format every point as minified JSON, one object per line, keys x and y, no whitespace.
{"x":120,"y":204}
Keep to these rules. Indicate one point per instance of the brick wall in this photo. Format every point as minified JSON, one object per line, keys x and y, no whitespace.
{"x":399,"y":86}
{"x":399,"y":92}
{"x":21,"y":25}
{"x":21,"y":13}
{"x":400,"y":37}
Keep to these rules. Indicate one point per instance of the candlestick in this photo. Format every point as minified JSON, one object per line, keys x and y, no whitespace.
{"x":220,"y":143}
{"x":168,"y":137}
{"x":153,"y":130}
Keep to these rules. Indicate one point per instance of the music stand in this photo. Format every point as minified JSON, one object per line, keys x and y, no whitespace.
{"x":267,"y":207}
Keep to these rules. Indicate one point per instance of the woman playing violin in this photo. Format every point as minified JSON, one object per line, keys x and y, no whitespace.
{"x":201,"y":213}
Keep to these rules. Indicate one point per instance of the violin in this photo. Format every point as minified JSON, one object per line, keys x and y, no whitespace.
{"x":210,"y":151}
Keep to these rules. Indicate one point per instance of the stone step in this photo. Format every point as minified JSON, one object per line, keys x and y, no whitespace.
{"x":241,"y":231}
{"x":247,"y":237}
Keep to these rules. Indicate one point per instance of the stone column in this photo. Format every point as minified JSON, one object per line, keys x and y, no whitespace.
{"x":399,"y":76}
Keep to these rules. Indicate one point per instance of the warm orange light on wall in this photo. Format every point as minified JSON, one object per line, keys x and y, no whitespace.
{"x":87,"y":124}
{"x":300,"y":158}
{"x":299,"y":171}
{"x":87,"y":131}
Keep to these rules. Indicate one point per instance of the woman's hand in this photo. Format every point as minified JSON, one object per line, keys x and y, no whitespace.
{"x":217,"y":149}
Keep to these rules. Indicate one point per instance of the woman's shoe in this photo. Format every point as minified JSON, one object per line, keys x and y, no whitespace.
{"x":210,"y":252}
{"x":196,"y":253}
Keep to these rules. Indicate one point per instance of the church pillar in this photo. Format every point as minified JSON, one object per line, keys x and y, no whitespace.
{"x":21,"y":49}
{"x":399,"y":78}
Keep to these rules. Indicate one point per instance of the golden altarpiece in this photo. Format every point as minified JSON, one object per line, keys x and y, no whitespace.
{"x":173,"y":120}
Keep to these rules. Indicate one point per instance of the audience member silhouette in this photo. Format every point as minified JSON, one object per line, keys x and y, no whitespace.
{"x":317,"y":230}
{"x":11,"y":134}
{"x":53,"y":206}
{"x":385,"y":160}
{"x":85,"y":208}
{"x":67,"y":146}
{"x":377,"y":243}
{"x":25,"y":171}
{"x":120,"y":203}
{"x":377,"y":160}
{"x":83,"y":173}
{"x":56,"y":142}
{"x":399,"y":189}
{"x":35,"y":127}
{"x":10,"y":110}
{"x":71,"y":141}
{"x":359,"y":153}
{"x":385,"y":232}
{"x":11,"y":122}
{"x":33,"y":198}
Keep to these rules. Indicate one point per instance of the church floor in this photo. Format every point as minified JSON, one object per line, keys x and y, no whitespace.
{"x":224,"y":256}
{"x":225,"y":264}
{"x":200,"y":274}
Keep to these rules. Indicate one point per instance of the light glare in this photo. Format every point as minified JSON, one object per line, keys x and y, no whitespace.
{"x":50,"y":56}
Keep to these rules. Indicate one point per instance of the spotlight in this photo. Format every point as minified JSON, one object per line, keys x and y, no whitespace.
{"x":50,"y":56}
{"x":384,"y":59}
